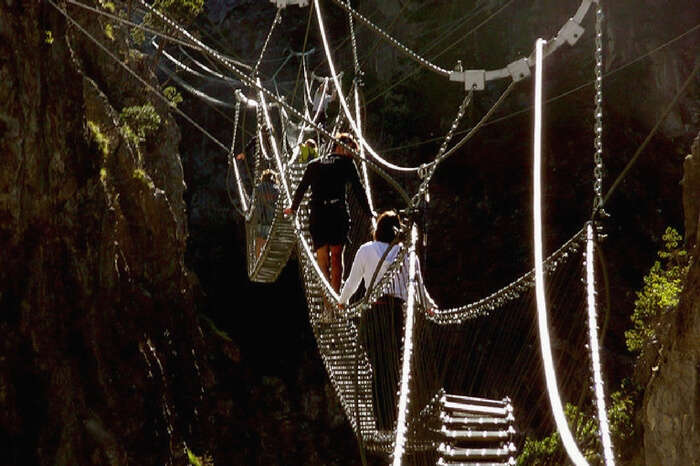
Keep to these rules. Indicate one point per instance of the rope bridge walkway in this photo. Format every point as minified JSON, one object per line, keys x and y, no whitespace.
{"x":418,"y":383}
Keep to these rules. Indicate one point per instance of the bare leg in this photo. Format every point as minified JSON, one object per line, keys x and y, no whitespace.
{"x":336,"y":266}
{"x":322,"y":259}
{"x":259,"y":242}
{"x":323,"y":263}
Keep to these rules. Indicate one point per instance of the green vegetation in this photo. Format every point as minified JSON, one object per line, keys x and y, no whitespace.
{"x":109,"y":31}
{"x":173,"y":96}
{"x":98,"y":138}
{"x":139,"y":122}
{"x":141,"y":175}
{"x":199,"y":461}
{"x":662,"y":288}
{"x":220,"y":333}
{"x":584,"y":426}
{"x":48,"y":37}
{"x":109,"y":6}
{"x":659,"y":296}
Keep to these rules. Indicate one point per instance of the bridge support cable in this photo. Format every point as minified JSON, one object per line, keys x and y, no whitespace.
{"x":545,"y":346}
{"x":395,"y":43}
{"x":401,"y":425}
{"x":358,"y":108}
{"x":343,"y":102}
{"x":594,"y":345}
{"x":232,"y":160}
{"x":253,"y":84}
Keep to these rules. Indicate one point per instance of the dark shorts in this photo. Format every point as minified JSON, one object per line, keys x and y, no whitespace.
{"x":329,"y":224}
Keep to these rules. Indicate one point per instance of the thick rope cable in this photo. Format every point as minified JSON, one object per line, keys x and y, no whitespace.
{"x":358,"y":109}
{"x":550,"y":375}
{"x":253,"y":84}
{"x":232,"y":161}
{"x":343,"y":102}
{"x":401,"y":425}
{"x":594,"y":345}
{"x":395,"y":43}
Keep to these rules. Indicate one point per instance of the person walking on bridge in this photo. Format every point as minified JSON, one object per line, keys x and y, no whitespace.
{"x":329,"y":221}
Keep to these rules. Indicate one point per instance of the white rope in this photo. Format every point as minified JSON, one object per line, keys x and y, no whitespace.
{"x":401,"y":424}
{"x":232,"y":161}
{"x":273,"y":141}
{"x":594,"y":346}
{"x":550,"y":375}
{"x":343,"y":102}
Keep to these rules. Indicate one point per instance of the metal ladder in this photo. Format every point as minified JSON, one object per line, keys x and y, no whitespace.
{"x":475,"y":432}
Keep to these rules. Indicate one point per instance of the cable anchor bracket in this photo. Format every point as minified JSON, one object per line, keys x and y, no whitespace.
{"x":472,"y":79}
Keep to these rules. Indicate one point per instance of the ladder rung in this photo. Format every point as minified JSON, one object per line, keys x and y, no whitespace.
{"x":478,"y":435}
{"x":443,"y":462}
{"x":477,"y":401}
{"x":476,"y":453}
{"x":475,"y":409}
{"x":476,"y":421}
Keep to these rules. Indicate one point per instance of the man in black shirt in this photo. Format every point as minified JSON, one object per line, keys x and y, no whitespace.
{"x":329,"y":221}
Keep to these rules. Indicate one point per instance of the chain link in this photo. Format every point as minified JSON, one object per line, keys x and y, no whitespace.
{"x":277,"y":20}
{"x":598,"y":112}
{"x":410,"y":53}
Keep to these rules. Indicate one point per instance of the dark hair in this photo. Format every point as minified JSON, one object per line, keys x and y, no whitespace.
{"x":347,"y":139}
{"x":388,"y":225}
{"x":268,"y":175}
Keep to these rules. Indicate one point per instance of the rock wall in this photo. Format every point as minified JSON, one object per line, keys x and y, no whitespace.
{"x":99,"y":346}
{"x":671,"y":409}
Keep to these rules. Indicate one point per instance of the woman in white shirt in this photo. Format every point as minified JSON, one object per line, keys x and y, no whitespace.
{"x":381,"y":327}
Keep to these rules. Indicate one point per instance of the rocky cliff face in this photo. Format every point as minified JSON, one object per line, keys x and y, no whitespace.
{"x":99,"y":345}
{"x":671,"y":409}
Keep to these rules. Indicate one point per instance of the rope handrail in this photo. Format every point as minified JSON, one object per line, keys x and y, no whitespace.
{"x":510,"y":292}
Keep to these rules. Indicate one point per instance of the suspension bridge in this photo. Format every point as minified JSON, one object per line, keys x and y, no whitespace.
{"x":438,"y":385}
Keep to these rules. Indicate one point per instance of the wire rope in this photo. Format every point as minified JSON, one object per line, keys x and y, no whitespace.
{"x":139,"y":78}
{"x":395,"y":43}
{"x":594,"y":346}
{"x":343,"y":102}
{"x":275,"y":22}
{"x":251,"y":83}
{"x":651,"y":134}
{"x":401,"y":427}
{"x":558,"y":97}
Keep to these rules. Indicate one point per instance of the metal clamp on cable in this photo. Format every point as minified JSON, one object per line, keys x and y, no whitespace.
{"x":284,"y":3}
{"x":570,"y":32}
{"x":473,"y":79}
{"x":519,"y":69}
